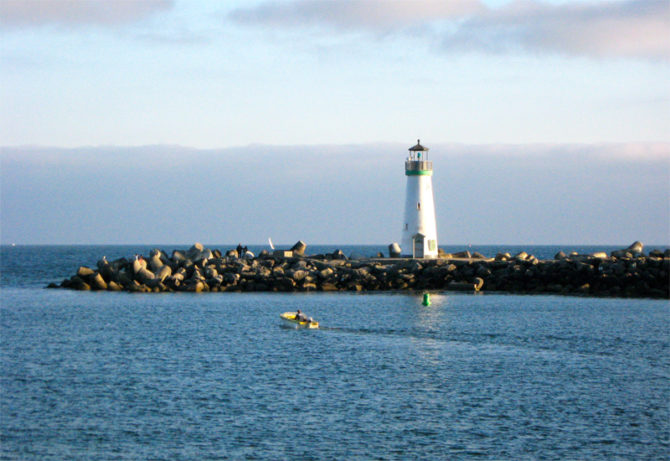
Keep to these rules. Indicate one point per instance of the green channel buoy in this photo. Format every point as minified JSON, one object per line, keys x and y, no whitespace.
{"x":426,"y":299}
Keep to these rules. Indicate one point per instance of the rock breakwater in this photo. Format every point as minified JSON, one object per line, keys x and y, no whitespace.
{"x":625,"y":273}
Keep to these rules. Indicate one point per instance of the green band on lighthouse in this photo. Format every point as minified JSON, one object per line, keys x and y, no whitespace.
{"x":419,"y":172}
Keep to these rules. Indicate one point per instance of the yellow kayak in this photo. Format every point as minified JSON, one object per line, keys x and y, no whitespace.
{"x":290,"y":318}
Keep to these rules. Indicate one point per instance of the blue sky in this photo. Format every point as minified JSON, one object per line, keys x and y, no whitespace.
{"x":507,"y":82}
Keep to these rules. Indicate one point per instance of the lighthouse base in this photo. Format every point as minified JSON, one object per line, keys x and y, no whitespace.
{"x":418,"y":246}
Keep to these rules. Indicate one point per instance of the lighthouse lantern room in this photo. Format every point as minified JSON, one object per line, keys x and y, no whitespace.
{"x":419,"y":234}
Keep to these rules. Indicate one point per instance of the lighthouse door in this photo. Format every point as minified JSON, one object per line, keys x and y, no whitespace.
{"x":418,"y":242}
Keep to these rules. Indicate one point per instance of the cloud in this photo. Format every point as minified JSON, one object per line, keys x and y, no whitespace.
{"x":355,"y":14}
{"x":637,"y":28}
{"x":29,"y":13}
{"x":615,"y":28}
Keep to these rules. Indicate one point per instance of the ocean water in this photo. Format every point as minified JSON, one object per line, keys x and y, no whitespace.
{"x":86,"y":375}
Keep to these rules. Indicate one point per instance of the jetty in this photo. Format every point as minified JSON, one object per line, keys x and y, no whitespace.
{"x":627,"y":272}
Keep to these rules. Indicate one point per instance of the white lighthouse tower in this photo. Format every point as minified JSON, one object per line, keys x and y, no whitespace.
{"x":419,"y":233}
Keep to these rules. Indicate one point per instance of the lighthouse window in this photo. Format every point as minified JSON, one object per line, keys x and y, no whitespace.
{"x":406,"y":226}
{"x":418,"y":205}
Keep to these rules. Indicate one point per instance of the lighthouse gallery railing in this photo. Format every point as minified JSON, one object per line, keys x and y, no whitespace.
{"x":417,"y":165}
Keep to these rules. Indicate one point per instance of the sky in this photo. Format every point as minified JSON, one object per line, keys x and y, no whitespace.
{"x":175,"y":121}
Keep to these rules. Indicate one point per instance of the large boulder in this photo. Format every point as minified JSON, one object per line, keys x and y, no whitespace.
{"x":113,"y":286}
{"x":84,"y":271}
{"x":204,"y":255}
{"x":138,"y":264}
{"x":97,"y":282}
{"x":193,"y":253}
{"x":326,"y":273}
{"x":143,"y":275}
{"x":163,"y":273}
{"x":102,"y":263}
{"x":394,"y":250}
{"x":636,"y":248}
{"x":522,"y":256}
{"x":297,"y":275}
{"x":338,"y":254}
{"x":155,"y":263}
{"x":178,"y":256}
{"x":299,"y":248}
{"x":478,"y":283}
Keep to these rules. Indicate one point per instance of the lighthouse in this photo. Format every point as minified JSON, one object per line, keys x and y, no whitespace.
{"x":419,"y":233}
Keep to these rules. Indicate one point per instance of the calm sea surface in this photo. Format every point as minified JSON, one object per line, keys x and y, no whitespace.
{"x":87,"y":375}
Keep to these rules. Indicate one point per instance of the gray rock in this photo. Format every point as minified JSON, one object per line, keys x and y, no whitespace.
{"x":560,"y":255}
{"x":461,"y":286}
{"x":138,"y":264}
{"x":195,"y":252}
{"x":338,"y":254}
{"x":478,"y":283}
{"x":636,"y":248}
{"x":297,"y":275}
{"x":300,"y":264}
{"x":155,"y":263}
{"x":178,"y":256}
{"x":231,"y":278}
{"x":84,"y":271}
{"x":413,"y":266}
{"x":97,"y":282}
{"x":326,"y":273}
{"x":394,"y":250}
{"x":143,"y":275}
{"x":102,"y":263}
{"x":163,"y":273}
{"x":299,"y":248}
{"x":113,"y":286}
{"x":205,"y":255}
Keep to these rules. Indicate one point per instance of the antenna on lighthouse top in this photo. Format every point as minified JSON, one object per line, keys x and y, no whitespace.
{"x":418,"y":147}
